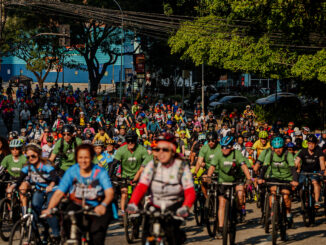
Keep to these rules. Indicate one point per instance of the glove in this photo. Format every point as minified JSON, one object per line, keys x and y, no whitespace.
{"x":183,"y":212}
{"x":132,"y":208}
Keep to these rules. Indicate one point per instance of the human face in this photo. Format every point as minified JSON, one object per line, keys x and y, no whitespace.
{"x":122,"y":131}
{"x":263,"y":141}
{"x":240,"y":140}
{"x":110,"y":148}
{"x":249,"y":150}
{"x":279,"y":151}
{"x":32,"y":157}
{"x":311,"y":146}
{"x":131,"y":145}
{"x":226,"y":151}
{"x":67,"y":136}
{"x":15,"y":151}
{"x":84,"y":160}
{"x":50,"y":144}
{"x":98,"y":150}
{"x":211,"y":143}
{"x":164,"y":152}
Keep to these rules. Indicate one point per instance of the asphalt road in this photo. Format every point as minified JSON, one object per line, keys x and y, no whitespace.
{"x":250,"y":232}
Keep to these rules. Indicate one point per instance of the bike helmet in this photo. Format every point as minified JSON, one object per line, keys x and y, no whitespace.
{"x":297,"y":133}
{"x":277,"y":142}
{"x":16,"y":143}
{"x":167,"y":137}
{"x":98,"y":143}
{"x":237,"y":147}
{"x":311,"y":138}
{"x":305,"y":144}
{"x":263,"y":135}
{"x":252,"y":128}
{"x":202,"y":137}
{"x":306,"y":129}
{"x":290,"y":145}
{"x":111,"y":142}
{"x":227,"y":141}
{"x":169,"y":122}
{"x":23,"y":130}
{"x":249,"y":144}
{"x":245,"y":135}
{"x":67,"y":129}
{"x":183,"y":125}
{"x":212,"y":136}
{"x":131,"y":136}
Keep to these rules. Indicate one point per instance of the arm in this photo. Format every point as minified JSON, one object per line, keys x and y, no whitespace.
{"x":297,"y":164}
{"x":211,"y":171}
{"x":139,"y":172}
{"x":56,"y":198}
{"x":198,"y":164}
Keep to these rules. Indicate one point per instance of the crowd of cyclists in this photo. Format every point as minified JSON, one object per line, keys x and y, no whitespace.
{"x":77,"y":151}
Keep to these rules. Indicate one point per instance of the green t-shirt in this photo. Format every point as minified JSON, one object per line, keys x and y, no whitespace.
{"x":224,"y":165}
{"x":68,"y":158}
{"x":263,"y":154}
{"x":13,"y":168}
{"x":279,"y":168}
{"x":208,"y":154}
{"x":131,"y":162}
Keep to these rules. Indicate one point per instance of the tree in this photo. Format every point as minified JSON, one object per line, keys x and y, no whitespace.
{"x":278,"y":39}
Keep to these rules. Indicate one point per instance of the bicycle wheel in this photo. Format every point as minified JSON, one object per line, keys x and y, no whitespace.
{"x":266,"y":214}
{"x":275,"y":214}
{"x":197,"y":212}
{"x":212,"y":221}
{"x":6,"y":221}
{"x":233,"y":223}
{"x":128,"y":227}
{"x":226,"y":223}
{"x":283,"y":222}
{"x":304,"y":208}
{"x":21,"y":233}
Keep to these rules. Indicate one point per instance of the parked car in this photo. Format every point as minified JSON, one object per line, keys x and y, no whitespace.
{"x":282,"y":98}
{"x":229,"y":103}
{"x":216,"y":97}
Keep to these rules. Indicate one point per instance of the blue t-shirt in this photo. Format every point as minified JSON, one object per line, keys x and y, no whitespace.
{"x":92,"y":187}
{"x":40,"y":180}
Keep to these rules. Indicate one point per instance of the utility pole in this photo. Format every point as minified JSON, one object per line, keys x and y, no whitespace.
{"x":202,"y":87}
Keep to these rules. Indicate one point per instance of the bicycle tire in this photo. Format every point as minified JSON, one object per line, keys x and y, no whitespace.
{"x":267,"y":214}
{"x":197,"y":212}
{"x":258,"y":202}
{"x":128,"y":228}
{"x":226,"y":223}
{"x":19,"y":233}
{"x":275,"y":214}
{"x":283,"y":222}
{"x":304,"y":208}
{"x":212,"y":221}
{"x":6,"y":222}
{"x":312,"y":210}
{"x":233,"y":223}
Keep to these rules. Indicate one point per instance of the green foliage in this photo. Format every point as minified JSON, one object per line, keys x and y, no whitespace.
{"x":257,"y":36}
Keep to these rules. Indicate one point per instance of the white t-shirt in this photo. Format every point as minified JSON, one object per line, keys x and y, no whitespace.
{"x":46,"y":150}
{"x":25,"y":114}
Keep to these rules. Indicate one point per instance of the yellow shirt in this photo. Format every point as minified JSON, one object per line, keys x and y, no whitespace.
{"x":259,"y":147}
{"x":104,"y":138}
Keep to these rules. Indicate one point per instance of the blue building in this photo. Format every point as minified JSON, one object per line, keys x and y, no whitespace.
{"x":13,"y":66}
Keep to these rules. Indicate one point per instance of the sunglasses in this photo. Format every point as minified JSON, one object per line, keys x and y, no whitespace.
{"x":130,"y":141}
{"x":31,"y":157}
{"x":66,"y":134}
{"x":14,"y":148}
{"x":46,"y":132}
{"x":161,"y":149}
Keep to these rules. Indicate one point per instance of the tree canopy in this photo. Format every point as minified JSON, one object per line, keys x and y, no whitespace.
{"x":279,"y":39}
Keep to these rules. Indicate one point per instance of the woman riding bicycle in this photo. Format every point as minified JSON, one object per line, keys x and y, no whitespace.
{"x":41,"y":174}
{"x":87,"y":184}
{"x":171,"y":187}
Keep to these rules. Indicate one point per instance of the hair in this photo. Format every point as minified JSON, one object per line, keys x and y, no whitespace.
{"x":87,"y":147}
{"x":5,"y":146}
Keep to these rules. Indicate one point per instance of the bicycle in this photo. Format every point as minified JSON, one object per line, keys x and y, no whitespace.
{"x":230,"y":213}
{"x":307,"y":199}
{"x":9,"y":213}
{"x":278,"y":212}
{"x":76,"y":235}
{"x":199,"y":205}
{"x":158,"y":220}
{"x":211,"y":207}
{"x":26,"y":230}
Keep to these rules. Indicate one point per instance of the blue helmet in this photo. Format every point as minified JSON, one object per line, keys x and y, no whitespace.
{"x":227,"y":141}
{"x":169,"y":122}
{"x":277,"y":142}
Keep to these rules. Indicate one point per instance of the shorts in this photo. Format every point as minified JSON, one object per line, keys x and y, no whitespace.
{"x":223,"y":188}
{"x":313,"y":177}
{"x":285,"y":187}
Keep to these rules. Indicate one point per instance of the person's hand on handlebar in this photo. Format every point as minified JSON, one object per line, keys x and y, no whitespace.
{"x":183,"y":212}
{"x":260,"y":181}
{"x":100,"y":209}
{"x":132,"y":208}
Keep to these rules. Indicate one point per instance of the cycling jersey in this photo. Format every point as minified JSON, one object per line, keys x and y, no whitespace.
{"x":41,"y":177}
{"x":104,"y":138}
{"x":91,"y":188}
{"x":260,"y":147}
{"x":310,"y":163}
{"x":224,"y":165}
{"x":12,"y":166}
{"x":105,"y":159}
{"x":131,"y":162}
{"x":279,"y":167}
{"x":208,"y":154}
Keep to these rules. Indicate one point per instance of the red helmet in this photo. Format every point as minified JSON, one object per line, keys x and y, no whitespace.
{"x":167,"y":137}
{"x":249,"y":144}
{"x":291,"y":123}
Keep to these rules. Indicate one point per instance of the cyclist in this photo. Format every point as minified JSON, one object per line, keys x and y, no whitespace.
{"x":131,"y":157}
{"x":228,"y":165}
{"x":48,"y":148}
{"x":107,"y":157}
{"x":262,"y":143}
{"x":279,"y":167}
{"x":87,"y":184}
{"x":170,"y":183}
{"x":102,"y":136}
{"x":311,"y":160}
{"x":63,"y":152}
{"x":206,"y":154}
{"x":98,"y":148}
{"x":42,"y":175}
